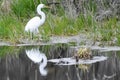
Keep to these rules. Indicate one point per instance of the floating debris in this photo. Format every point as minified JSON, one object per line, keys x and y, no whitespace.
{"x":72,"y":61}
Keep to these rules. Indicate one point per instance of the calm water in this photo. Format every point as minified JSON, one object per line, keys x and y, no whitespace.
{"x":16,"y":65}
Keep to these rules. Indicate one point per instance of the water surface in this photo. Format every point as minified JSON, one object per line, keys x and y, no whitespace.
{"x":16,"y":65}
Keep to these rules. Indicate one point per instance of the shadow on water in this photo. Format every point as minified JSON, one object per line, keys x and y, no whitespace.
{"x":19,"y":64}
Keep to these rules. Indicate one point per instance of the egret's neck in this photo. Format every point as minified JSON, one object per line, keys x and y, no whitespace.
{"x":44,"y":63}
{"x":41,"y":13}
{"x":42,"y":66}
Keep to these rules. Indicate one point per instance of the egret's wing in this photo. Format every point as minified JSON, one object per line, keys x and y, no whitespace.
{"x":33,"y":24}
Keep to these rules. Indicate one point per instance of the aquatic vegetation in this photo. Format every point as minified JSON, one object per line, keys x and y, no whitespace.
{"x":83,"y":53}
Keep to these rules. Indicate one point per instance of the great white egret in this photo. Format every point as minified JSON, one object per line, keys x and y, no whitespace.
{"x":37,"y":57}
{"x":34,"y":23}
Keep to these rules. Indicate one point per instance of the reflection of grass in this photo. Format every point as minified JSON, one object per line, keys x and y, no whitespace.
{"x":12,"y":26}
{"x":8,"y":50}
{"x":118,"y":54}
{"x":84,"y":67}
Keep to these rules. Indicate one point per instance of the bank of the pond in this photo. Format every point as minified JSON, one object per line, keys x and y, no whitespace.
{"x":77,"y":40}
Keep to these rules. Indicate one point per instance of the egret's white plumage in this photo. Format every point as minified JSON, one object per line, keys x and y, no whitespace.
{"x":33,"y":24}
{"x":37,"y":57}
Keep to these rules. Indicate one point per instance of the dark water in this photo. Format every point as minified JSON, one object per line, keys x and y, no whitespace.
{"x":15,"y":65}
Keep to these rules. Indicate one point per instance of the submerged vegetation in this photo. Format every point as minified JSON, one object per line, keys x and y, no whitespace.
{"x":12,"y":24}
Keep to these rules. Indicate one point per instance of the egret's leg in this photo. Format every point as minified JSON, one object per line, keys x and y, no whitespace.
{"x":32,"y":36}
{"x":37,"y":31}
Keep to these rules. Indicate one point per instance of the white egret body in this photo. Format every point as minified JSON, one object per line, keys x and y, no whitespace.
{"x":33,"y":25}
{"x":37,"y":57}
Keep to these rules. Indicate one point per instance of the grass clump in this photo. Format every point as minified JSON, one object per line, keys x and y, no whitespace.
{"x":10,"y":28}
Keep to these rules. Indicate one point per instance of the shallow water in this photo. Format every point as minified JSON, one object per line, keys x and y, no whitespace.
{"x":16,"y":65}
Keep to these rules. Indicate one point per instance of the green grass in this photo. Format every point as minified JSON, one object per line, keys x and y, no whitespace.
{"x":23,"y":8}
{"x":108,"y":29}
{"x":11,"y":28}
{"x":12,"y":25}
{"x":65,"y":26}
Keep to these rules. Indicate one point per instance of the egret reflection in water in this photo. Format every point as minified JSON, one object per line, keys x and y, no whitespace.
{"x":38,"y":57}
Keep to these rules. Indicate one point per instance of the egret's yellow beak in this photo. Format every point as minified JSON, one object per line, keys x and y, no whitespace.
{"x":47,"y":6}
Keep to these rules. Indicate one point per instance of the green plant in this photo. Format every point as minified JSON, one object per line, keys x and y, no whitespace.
{"x":23,"y":8}
{"x":10,"y":28}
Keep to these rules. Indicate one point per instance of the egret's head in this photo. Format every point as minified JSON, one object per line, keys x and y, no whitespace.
{"x":39,"y":7}
{"x":43,"y":6}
